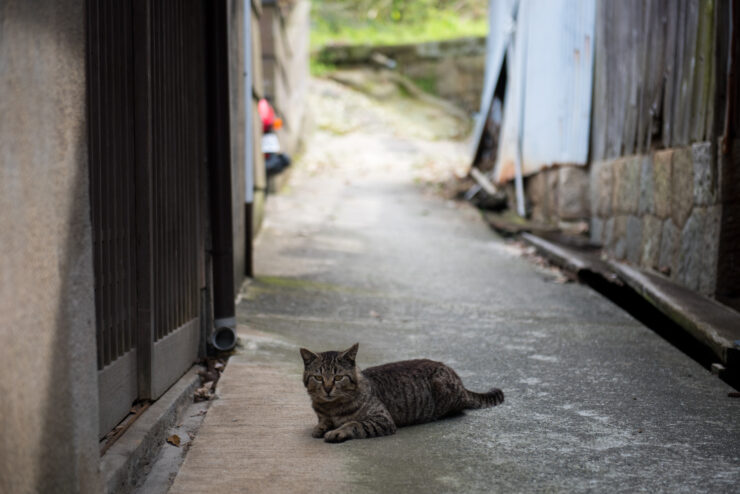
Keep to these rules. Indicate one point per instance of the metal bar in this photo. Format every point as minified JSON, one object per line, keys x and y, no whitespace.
{"x":168,"y":254}
{"x":183,"y":172}
{"x":143,"y":154}
{"x":157,"y":143}
{"x":130,"y":205}
{"x":106,"y":186}
{"x":165,"y":253}
{"x":116,"y":164}
{"x":186,"y":67}
{"x":191,"y":136}
{"x":519,"y":188}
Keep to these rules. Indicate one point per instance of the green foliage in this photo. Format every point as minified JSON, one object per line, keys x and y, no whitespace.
{"x":427,"y":84}
{"x":385,"y":22}
{"x":320,"y":69}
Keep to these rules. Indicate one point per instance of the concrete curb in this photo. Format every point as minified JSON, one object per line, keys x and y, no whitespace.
{"x":572,"y":260}
{"x":714,"y":325}
{"x":127,"y":462}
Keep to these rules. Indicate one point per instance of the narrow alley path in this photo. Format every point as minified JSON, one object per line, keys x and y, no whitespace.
{"x":357,"y":249}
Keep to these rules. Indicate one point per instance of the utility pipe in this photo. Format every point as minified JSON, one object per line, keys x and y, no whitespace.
{"x":223,"y":337}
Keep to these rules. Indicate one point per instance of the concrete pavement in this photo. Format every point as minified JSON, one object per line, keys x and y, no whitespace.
{"x":357,"y":250}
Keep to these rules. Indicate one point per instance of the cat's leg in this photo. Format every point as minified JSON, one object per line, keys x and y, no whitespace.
{"x":449,"y":394}
{"x":324,"y":425}
{"x":379,"y":425}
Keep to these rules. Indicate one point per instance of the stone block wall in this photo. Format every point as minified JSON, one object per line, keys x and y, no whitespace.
{"x":558,"y":195}
{"x":661,"y":211}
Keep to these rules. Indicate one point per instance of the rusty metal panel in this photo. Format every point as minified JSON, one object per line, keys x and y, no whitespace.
{"x":548,"y":100}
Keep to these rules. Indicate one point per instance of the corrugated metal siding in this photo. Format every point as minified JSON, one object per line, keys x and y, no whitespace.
{"x":551,"y":68}
{"x":558,"y":98}
{"x":500,"y":27}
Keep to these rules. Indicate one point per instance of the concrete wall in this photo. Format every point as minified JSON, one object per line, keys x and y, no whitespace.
{"x":48,"y":410}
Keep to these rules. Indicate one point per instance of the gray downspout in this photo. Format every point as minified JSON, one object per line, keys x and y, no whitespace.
{"x":223,"y":337}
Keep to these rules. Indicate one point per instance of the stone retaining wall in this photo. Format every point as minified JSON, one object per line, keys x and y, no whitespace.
{"x":452,"y":69}
{"x":661,"y":211}
{"x":559,"y":194}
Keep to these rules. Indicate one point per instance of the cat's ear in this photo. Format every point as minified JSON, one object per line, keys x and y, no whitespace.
{"x":350,"y":354}
{"x":308,"y":356}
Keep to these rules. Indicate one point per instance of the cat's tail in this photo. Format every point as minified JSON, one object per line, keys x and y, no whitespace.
{"x":484,"y":400}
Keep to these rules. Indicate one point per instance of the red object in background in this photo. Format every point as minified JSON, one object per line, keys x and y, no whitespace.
{"x":267,"y":114}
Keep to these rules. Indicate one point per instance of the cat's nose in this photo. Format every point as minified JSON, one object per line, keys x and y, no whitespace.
{"x":328,"y":389}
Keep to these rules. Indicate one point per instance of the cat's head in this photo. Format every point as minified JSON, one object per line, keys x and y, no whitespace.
{"x":329,"y":376}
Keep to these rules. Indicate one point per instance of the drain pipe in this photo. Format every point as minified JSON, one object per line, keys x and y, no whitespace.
{"x":223,"y":337}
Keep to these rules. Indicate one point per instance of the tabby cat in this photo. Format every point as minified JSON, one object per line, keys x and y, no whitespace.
{"x":354,"y":404}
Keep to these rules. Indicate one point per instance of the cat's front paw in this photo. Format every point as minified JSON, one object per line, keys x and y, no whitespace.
{"x":336,"y":436}
{"x":318,"y":432}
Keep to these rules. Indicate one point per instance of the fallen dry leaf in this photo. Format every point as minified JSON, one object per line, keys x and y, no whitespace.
{"x":174,"y":439}
{"x":202,"y":394}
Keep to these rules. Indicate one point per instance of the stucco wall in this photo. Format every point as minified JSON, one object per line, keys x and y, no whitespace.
{"x":48,"y":409}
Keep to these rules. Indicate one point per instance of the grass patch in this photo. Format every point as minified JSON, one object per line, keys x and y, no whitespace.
{"x":392,"y":22}
{"x":320,"y":69}
{"x":426,"y":84}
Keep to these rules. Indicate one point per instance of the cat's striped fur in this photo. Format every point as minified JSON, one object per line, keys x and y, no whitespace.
{"x":354,"y":404}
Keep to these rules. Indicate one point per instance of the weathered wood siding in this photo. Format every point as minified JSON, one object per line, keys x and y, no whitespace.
{"x":657,"y":82}
{"x":662,"y":179}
